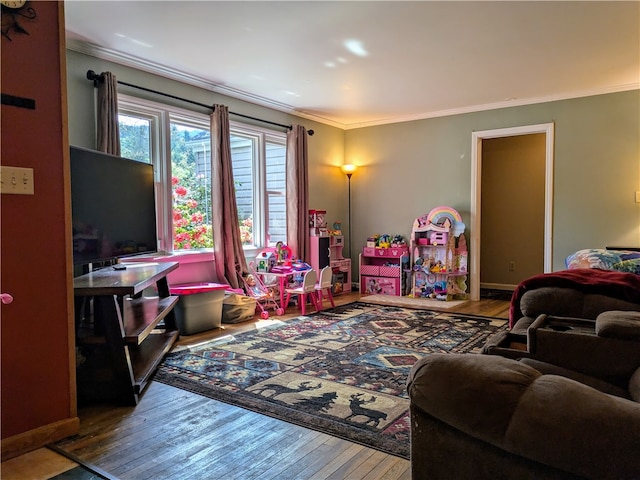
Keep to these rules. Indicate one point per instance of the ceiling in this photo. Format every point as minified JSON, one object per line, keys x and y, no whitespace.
{"x":352,"y":64}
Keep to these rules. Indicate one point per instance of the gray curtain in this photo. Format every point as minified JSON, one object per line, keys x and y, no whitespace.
{"x":298,"y":192}
{"x":108,"y":129}
{"x":227,"y":246}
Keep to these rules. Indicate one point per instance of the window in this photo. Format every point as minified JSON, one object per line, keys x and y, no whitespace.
{"x":191,"y":185}
{"x":178,"y":143}
{"x":259,"y":158}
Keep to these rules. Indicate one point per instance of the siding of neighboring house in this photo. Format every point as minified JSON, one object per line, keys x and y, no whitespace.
{"x":275,"y":203}
{"x":276,"y":190}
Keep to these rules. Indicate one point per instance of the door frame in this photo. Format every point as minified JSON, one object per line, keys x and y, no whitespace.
{"x":476,"y":191}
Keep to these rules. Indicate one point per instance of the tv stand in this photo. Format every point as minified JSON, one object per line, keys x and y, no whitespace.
{"x":122,"y":335}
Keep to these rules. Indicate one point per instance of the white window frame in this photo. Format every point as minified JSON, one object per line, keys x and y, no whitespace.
{"x":160,"y":116}
{"x":261,"y":136}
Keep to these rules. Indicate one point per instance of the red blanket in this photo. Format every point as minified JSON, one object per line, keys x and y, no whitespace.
{"x":625,"y":286}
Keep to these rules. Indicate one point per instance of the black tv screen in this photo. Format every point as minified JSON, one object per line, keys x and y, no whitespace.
{"x":113,"y":207}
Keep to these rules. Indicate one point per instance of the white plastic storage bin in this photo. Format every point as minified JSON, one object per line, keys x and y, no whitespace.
{"x":199,"y":308}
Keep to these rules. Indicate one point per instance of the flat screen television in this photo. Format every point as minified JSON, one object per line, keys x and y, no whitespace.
{"x":113,"y":207}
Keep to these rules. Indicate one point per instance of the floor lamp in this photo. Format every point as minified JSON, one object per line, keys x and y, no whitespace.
{"x":348,"y":171}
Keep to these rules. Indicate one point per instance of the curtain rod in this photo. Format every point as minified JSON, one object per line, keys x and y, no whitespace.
{"x":95,"y":78}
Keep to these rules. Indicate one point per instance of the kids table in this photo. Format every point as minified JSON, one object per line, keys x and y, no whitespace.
{"x":282,"y":280}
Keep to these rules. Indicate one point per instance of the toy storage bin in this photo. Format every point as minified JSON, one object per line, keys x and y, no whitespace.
{"x":380,"y":285}
{"x":370,"y":270}
{"x":389,"y":271}
{"x":395,"y":252}
{"x":237,"y":308}
{"x":199,"y":307}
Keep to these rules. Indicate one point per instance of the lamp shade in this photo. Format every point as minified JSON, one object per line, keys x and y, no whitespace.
{"x":348,"y":169}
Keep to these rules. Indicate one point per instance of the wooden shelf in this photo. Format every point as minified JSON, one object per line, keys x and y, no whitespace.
{"x":120,"y":340}
{"x":131,"y":281}
{"x":142,"y":315}
{"x":382,"y":270}
{"x":146,"y":357}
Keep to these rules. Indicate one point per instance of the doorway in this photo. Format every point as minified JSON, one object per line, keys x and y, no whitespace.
{"x":476,"y":196}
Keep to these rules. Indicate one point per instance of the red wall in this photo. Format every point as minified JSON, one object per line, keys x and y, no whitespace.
{"x":34,"y":264}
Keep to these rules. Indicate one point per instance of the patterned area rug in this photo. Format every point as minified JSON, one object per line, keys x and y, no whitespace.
{"x":340,"y":371}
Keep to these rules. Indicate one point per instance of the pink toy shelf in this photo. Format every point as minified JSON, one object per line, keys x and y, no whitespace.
{"x":382,"y":270}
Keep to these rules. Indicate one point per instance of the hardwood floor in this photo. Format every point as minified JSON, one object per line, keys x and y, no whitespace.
{"x":39,"y":464}
{"x":174,"y":434}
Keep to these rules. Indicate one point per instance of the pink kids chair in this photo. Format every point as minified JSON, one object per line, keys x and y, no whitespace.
{"x":307,"y":288}
{"x":325,"y":284}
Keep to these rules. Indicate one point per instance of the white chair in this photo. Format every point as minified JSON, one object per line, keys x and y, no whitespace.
{"x":308,"y":288}
{"x":325,"y":284}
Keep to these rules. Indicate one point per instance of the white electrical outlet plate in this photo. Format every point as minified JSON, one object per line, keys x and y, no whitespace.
{"x":637,"y":197}
{"x":16,"y":180}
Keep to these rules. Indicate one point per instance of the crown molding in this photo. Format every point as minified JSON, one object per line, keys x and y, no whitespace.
{"x":193,"y":80}
{"x":173,"y":74}
{"x":494,"y":106}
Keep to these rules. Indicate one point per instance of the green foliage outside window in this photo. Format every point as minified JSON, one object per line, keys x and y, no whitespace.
{"x":134,"y":138}
{"x":189,"y":228}
{"x":191,"y":190}
{"x":191,"y":178}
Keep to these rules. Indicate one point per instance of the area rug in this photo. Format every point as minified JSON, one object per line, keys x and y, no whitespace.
{"x":341,"y":371}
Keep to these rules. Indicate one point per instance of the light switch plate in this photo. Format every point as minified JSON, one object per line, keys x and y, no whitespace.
{"x":637,"y":197}
{"x":16,"y":180}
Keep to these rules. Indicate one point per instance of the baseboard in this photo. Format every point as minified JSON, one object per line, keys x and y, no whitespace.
{"x":39,"y":437}
{"x":497,"y":286}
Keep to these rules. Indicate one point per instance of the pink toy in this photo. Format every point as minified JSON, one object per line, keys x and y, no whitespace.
{"x":317,"y":222}
{"x":266,"y":260}
{"x":438,"y":238}
{"x":265,"y":296}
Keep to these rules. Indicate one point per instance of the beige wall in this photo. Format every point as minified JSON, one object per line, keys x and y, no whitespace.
{"x":408,"y":168}
{"x":512,"y":216}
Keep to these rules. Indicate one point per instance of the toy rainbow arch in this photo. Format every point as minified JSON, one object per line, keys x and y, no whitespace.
{"x":437,"y":215}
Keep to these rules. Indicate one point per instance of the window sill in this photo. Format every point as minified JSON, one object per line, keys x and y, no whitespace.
{"x":191,"y":256}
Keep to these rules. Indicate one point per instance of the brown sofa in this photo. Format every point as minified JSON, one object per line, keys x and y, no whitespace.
{"x":581,"y":293}
{"x":567,"y":302}
{"x":488,"y":417}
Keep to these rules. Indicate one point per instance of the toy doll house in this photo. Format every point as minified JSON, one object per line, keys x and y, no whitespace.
{"x":439,"y":256}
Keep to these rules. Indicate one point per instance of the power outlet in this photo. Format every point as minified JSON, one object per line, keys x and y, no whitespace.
{"x":16,"y":180}
{"x":637,"y":197}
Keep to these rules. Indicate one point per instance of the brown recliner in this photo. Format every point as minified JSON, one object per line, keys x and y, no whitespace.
{"x":488,"y":417}
{"x":566,"y":302}
{"x":607,"y":348}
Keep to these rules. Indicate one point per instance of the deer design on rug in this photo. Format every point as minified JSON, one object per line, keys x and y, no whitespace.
{"x":374,"y":416}
{"x":306,"y":353}
{"x":322,"y":403}
{"x":281,"y":389}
